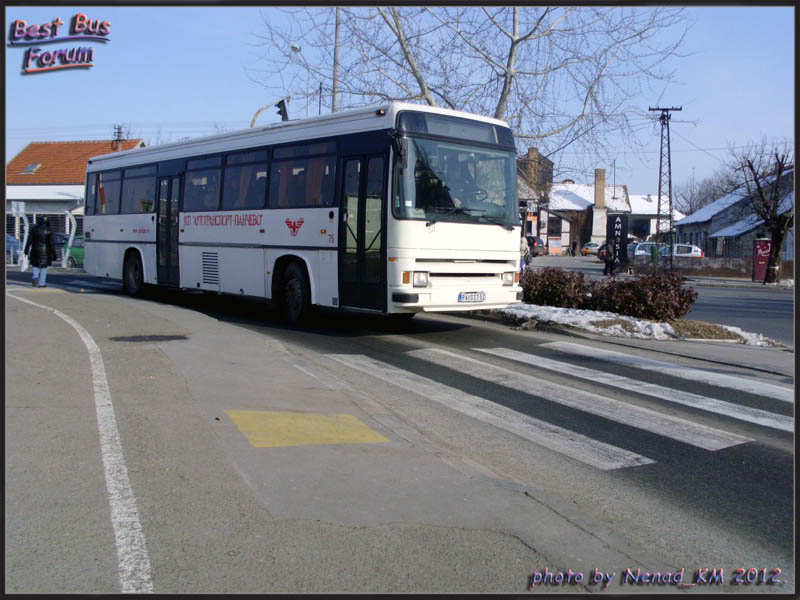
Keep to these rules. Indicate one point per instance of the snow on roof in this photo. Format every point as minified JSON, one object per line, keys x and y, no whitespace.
{"x":709,"y":210}
{"x":647,"y":204}
{"x":787,"y":203}
{"x":524,"y":191}
{"x":579,"y":196}
{"x":752,"y":221}
{"x":749,"y":223}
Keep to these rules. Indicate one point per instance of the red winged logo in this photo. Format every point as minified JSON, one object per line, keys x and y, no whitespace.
{"x":294,"y":226}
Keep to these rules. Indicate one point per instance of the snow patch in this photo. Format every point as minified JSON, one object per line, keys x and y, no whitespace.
{"x":633,"y":328}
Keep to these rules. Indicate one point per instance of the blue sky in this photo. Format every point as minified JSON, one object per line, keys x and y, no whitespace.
{"x":175,"y":72}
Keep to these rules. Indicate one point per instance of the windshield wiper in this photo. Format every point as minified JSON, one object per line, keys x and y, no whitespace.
{"x":449,"y":211}
{"x":453,"y":210}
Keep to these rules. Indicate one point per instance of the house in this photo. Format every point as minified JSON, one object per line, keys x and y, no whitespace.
{"x":48,"y":178}
{"x":724,"y":228}
{"x":583,"y":211}
{"x":534,"y":177}
{"x":644,"y":214}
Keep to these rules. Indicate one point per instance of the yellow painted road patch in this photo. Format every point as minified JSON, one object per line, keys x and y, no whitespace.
{"x":269,"y":429}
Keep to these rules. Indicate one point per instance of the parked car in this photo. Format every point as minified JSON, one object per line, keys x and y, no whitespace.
{"x":590,"y":248}
{"x":644,"y":249}
{"x":76,"y":252}
{"x":685,"y":250}
{"x":536,"y":245}
{"x":13,"y":249}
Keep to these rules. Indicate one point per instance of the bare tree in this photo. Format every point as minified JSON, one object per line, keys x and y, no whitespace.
{"x":561,"y":76}
{"x":766,"y":172}
{"x":687,"y":197}
{"x":691,"y":196}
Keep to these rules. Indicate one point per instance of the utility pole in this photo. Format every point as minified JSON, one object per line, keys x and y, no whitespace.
{"x":665,"y":174}
{"x":335,"y":87}
{"x":614,"y":188}
{"x":116,"y":143}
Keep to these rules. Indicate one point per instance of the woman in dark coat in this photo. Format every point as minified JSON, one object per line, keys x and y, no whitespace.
{"x":40,"y":251}
{"x":608,"y":255}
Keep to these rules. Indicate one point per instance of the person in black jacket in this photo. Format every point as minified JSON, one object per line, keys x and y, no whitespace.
{"x":40,"y":251}
{"x":608,"y":255}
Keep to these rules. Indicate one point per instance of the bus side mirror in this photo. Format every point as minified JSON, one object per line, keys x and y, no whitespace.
{"x":404,"y":152}
{"x":400,"y":145}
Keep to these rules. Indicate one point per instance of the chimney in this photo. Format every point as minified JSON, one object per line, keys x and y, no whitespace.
{"x":599,"y":188}
{"x":532,"y":165}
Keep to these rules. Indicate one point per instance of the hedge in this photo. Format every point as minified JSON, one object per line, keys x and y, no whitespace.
{"x":658,"y":297}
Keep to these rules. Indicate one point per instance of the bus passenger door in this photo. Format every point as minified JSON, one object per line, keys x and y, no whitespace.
{"x":167,"y":231}
{"x":362,"y":240}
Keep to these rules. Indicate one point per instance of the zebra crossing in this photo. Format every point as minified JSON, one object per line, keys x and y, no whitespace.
{"x":578,"y":446}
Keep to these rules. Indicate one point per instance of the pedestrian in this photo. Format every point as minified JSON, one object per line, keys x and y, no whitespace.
{"x":524,"y":251}
{"x":574,"y":247}
{"x":609,"y":258}
{"x":41,"y":251}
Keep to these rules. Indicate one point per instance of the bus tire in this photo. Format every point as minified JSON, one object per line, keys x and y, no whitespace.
{"x":133,"y":275}
{"x":295,"y":294}
{"x":71,"y":263}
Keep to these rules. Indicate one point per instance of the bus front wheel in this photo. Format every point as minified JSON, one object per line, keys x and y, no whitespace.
{"x":133,"y":276}
{"x":295,"y":295}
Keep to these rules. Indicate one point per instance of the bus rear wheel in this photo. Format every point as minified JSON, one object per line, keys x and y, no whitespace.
{"x":132,"y":275}
{"x":295,"y":295}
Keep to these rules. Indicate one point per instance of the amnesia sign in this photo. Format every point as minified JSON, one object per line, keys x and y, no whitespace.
{"x":39,"y":59}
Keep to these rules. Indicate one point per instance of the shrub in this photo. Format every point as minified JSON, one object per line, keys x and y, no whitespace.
{"x":554,"y":287}
{"x":658,"y":297}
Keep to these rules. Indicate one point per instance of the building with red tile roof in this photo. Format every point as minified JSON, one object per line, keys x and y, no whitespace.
{"x":47,"y":178}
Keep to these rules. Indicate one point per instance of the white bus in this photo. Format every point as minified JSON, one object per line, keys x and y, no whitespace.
{"x":398,"y":209}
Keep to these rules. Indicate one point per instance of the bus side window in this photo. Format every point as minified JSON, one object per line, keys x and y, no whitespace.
{"x":91,"y":190}
{"x":297,"y":187}
{"x":302,"y":182}
{"x":201,"y":190}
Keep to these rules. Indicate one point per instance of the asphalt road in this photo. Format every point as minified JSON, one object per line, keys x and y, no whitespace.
{"x":769,"y":312}
{"x":465,"y":470}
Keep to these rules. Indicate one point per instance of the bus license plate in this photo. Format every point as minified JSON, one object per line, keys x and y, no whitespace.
{"x":471,"y":297}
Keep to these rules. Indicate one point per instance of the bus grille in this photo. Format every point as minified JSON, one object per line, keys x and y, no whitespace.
{"x":210,"y":268}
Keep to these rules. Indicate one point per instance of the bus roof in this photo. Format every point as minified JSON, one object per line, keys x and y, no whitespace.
{"x":380,"y":116}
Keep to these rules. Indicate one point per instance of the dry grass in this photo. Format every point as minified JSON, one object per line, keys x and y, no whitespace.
{"x":704,"y":331}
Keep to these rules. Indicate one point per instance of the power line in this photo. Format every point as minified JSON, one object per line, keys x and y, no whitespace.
{"x":701,"y":149}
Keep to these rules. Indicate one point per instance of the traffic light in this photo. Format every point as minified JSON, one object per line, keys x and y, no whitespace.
{"x":282,"y":110}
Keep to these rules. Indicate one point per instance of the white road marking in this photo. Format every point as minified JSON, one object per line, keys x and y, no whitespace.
{"x":132,"y":557}
{"x":720,"y":407}
{"x":579,"y":447}
{"x":653,"y":421}
{"x":675,"y":370}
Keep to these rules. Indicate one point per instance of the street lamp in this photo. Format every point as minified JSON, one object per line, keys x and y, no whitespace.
{"x":299,"y":50}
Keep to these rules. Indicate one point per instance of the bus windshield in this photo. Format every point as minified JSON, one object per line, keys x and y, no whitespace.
{"x":447,"y":181}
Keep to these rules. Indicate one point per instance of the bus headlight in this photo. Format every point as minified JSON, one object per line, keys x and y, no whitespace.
{"x":508,"y":278}
{"x":420,"y":279}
